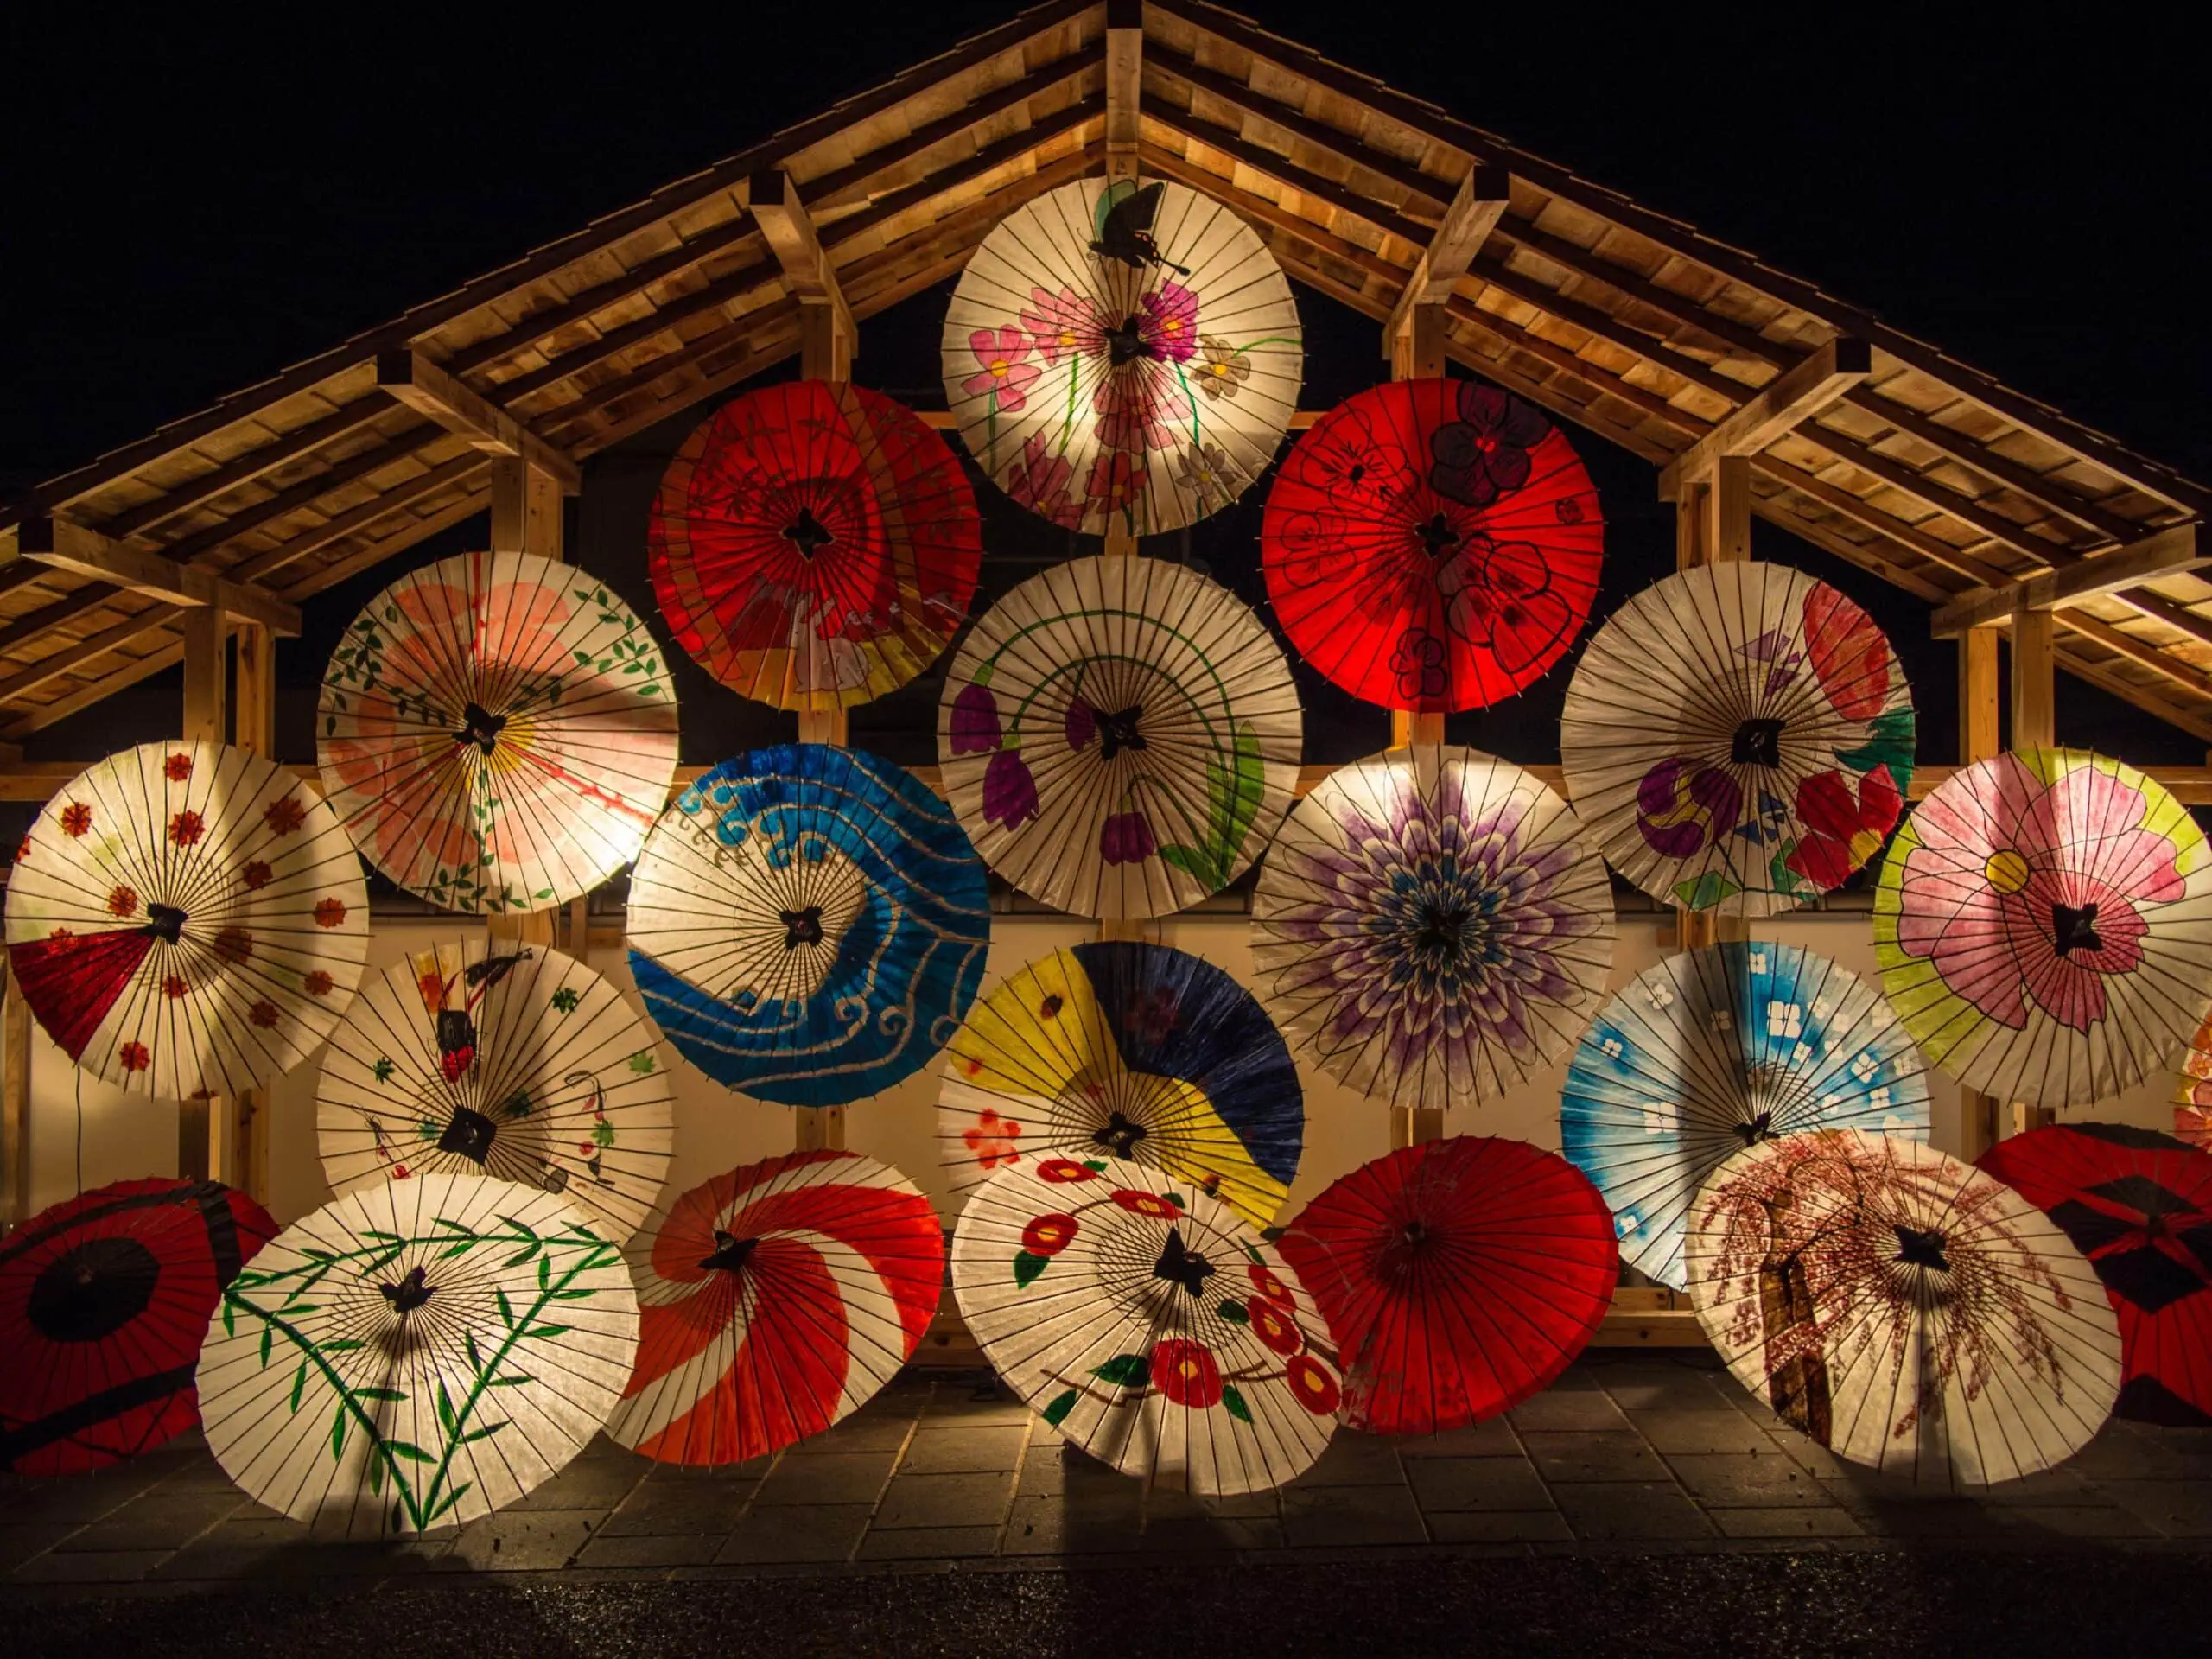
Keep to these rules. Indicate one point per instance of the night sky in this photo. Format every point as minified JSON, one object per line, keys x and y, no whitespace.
{"x":198,"y":202}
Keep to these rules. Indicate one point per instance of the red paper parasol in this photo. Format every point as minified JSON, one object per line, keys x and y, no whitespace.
{"x":1433,"y":544}
{"x":2138,"y":1205}
{"x":104,"y":1299}
{"x":1458,"y":1277}
{"x":814,"y":545}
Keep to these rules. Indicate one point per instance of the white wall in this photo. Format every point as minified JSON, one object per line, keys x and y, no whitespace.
{"x":716,"y":1129}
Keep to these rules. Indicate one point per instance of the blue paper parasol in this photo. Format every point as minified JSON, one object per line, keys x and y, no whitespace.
{"x":1718,"y":1050}
{"x":808,"y":925}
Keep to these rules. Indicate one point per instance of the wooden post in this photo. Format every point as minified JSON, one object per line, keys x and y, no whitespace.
{"x":15,"y":1102}
{"x":525,"y":519}
{"x":1412,"y":1124}
{"x":243,"y":1121}
{"x":1728,"y":537}
{"x":2035,"y":725}
{"x":200,"y":1141}
{"x":1124,"y":85}
{"x":1713,"y":519}
{"x":1980,"y":1124}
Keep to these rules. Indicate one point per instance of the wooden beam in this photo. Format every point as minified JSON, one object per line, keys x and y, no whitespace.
{"x":254,"y":463}
{"x":67,"y":546}
{"x":1475,"y":209}
{"x":829,"y":338}
{"x":429,"y":390}
{"x":2165,"y":553}
{"x":270,"y":560}
{"x":72,"y":658}
{"x":1791,"y":398}
{"x":1124,"y":85}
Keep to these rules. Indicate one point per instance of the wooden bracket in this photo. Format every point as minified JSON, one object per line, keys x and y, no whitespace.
{"x":430,"y":391}
{"x":67,"y":546}
{"x":1789,"y":400}
{"x":1475,"y":209}
{"x":1124,"y":85}
{"x":2166,"y":553}
{"x":828,"y":337}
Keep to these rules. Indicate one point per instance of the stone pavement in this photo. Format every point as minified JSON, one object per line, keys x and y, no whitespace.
{"x":1631,"y":1452}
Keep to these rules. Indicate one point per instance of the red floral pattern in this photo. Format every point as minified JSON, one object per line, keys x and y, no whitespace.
{"x":1048,"y":1235}
{"x":187,"y":828}
{"x":177,"y":767}
{"x":1187,"y":1373}
{"x":1272,"y":1327}
{"x":329,"y":912}
{"x":1157,"y":1205}
{"x":1311,"y":1383}
{"x":76,"y":819}
{"x":1063,"y":1170}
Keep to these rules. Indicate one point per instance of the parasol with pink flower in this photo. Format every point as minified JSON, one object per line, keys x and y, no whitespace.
{"x":2044,"y":926}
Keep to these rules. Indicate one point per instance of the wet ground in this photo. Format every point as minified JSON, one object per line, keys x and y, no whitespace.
{"x":1645,"y":1503}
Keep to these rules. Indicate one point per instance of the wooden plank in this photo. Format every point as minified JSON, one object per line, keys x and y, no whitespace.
{"x":31,"y":624}
{"x":1124,"y":85}
{"x":773,"y":199}
{"x":2165,"y":553}
{"x":1785,"y":402}
{"x":427,"y":389}
{"x":1475,"y":209}
{"x":1286,"y":172}
{"x":339,"y":526}
{"x":308,"y":493}
{"x":72,"y":658}
{"x":256,"y":462}
{"x":67,"y":546}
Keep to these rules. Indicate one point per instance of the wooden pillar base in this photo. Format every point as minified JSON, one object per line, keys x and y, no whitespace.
{"x":1411,"y":1125}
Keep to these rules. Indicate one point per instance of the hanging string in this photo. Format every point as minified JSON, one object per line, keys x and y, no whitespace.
{"x":80,"y":1129}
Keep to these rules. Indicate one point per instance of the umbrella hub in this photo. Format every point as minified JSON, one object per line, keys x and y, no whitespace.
{"x":1759,"y":1129}
{"x":1119,"y":1136}
{"x":1439,"y":536}
{"x":1118,"y":730}
{"x":410,"y":1293}
{"x":165,"y":922}
{"x":469,"y":1135}
{"x":1445,"y":931}
{"x":801,"y":926}
{"x":1921,"y":1249}
{"x":730,"y":1254}
{"x":1757,"y":743}
{"x":480,"y":726}
{"x":808,"y":534}
{"x":93,"y":1290}
{"x":1180,"y":1265}
{"x":1126,"y":343}
{"x":2072,"y":929}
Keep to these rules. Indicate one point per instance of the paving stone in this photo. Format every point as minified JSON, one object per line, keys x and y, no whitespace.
{"x":2073,"y":1521}
{"x":1717,"y":1429}
{"x":2180,"y":1508}
{"x":1078,"y":1522}
{"x":1798,"y":1521}
{"x":856,"y":1434}
{"x":1659,"y":1388}
{"x":1355,"y":1460}
{"x":1808,"y":1453}
{"x":1924,"y":1517}
{"x":1573,"y":1409}
{"x":963,"y":1449}
{"x":154,"y":1522}
{"x":927,"y":1543}
{"x":1747,"y":1480}
{"x":2124,"y":1451}
{"x":599,"y":1483}
{"x":656,"y":1549}
{"x":1636,"y":1510}
{"x":1591,"y":1455}
{"x":522,"y":1540}
{"x":78,"y":1498}
{"x":19,"y":1543}
{"x":90,"y":1566}
{"x":1191,"y":1534}
{"x":798,"y":1532}
{"x":1498,"y":1525}
{"x":1448,"y":1484}
{"x":1493,"y":1438}
{"x":975,"y":1408}
{"x":969,"y":1500}
{"x":1340,"y":1517}
{"x":670,"y":1509}
{"x":1161,"y":1504}
{"x":838,"y":1477}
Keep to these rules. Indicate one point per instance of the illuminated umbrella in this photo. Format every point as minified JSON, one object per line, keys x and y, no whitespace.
{"x":1739,"y":738}
{"x":1902,"y":1309}
{"x":1120,"y":735}
{"x":2138,"y":1205}
{"x":497,"y":732}
{"x":1458,"y":1277}
{"x":417,"y":1354}
{"x":1433,"y":544}
{"x":1719,"y":1049}
{"x":520,"y":1062}
{"x":1129,"y":1051}
{"x":104,"y":1299}
{"x":2043,"y":925}
{"x":814,"y":545}
{"x":187,"y":919}
{"x":1431,"y":928}
{"x":2193,"y":1091}
{"x":1123,"y":354}
{"x":808,"y":925}
{"x":774,"y":1300}
{"x":1149,"y":1325}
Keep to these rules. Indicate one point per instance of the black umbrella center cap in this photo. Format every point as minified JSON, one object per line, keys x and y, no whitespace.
{"x":165,"y":922}
{"x":808,"y":534}
{"x":730,"y":1254}
{"x":410,"y":1293}
{"x":1117,"y":729}
{"x":1759,"y":1129}
{"x":1757,"y":743}
{"x":1921,"y":1249}
{"x":1126,"y":344}
{"x":92,"y":1290}
{"x":469,"y":1134}
{"x":1438,"y":537}
{"x":1179,"y":1266}
{"x":2074,"y":929}
{"x":1119,"y":1136}
{"x":1442,"y":931}
{"x":1415,"y":1234}
{"x":479,"y":726}
{"x":801,"y":926}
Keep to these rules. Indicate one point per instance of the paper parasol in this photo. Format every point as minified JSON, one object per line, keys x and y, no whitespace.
{"x":2193,"y":1091}
{"x":1737,"y":738}
{"x":1458,"y":1277}
{"x":1149,"y":1325}
{"x":1902,"y":1309}
{"x":1430,"y":927}
{"x":1130,"y":1051}
{"x":1433,"y":544}
{"x":1719,"y":1049}
{"x":104,"y":1299}
{"x":519,"y":1063}
{"x":417,"y":1354}
{"x":1120,"y":735}
{"x":814,"y":545}
{"x":497,"y":732}
{"x":1122,"y":355}
{"x":774,"y":1300}
{"x":187,"y":919}
{"x":2138,"y":1205}
{"x":2044,"y":926}
{"x":808,"y":925}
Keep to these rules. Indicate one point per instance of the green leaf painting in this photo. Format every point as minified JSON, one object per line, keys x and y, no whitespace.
{"x":1125,"y":1371}
{"x":1233,"y":797}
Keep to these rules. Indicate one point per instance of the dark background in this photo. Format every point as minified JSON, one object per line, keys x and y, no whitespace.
{"x":200,"y":197}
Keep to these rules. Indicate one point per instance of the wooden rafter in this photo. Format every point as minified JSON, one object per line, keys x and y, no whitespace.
{"x":1786,"y":402}
{"x":2165,"y":553}
{"x":427,"y":389}
{"x":1124,"y":85}
{"x":1475,"y":209}
{"x":829,"y":334}
{"x":77,"y":548}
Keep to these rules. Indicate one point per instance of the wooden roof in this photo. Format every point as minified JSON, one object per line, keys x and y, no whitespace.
{"x":1614,"y":317}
